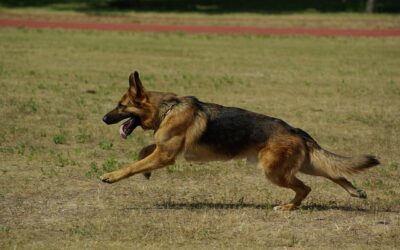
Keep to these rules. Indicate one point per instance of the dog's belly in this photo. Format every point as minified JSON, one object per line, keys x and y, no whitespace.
{"x":204,"y":153}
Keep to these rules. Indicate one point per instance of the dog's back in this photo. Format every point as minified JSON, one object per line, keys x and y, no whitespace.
{"x":231,"y":131}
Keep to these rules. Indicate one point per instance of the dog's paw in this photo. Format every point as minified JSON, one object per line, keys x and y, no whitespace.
{"x":361,"y":194}
{"x":285,"y":207}
{"x":109,"y":178}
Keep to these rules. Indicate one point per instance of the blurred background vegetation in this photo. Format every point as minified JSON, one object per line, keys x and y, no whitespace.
{"x":217,"y":6}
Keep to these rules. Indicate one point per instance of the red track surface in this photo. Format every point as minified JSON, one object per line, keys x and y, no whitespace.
{"x":197,"y":29}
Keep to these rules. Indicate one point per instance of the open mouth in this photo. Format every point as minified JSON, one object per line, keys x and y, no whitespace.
{"x":127,"y":127}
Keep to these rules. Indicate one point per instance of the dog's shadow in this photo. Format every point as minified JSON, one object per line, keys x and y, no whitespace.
{"x":199,"y":205}
{"x":211,"y":205}
{"x":262,"y":206}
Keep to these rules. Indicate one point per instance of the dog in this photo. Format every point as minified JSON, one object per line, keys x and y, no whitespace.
{"x":201,"y":131}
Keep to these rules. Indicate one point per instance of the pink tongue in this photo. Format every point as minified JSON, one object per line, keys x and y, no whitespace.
{"x":121,"y":132}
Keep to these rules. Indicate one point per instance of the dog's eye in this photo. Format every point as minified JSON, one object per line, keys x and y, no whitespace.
{"x":121,"y":106}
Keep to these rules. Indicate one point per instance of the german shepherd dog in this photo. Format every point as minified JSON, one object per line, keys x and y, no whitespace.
{"x":201,"y":131}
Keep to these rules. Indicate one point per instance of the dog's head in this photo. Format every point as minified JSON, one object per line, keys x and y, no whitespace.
{"x":137,"y":105}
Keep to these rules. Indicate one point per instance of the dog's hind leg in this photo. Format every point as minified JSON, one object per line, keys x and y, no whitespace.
{"x":280,"y":160}
{"x":346,"y":185}
{"x":144,"y":152}
{"x":341,"y":181}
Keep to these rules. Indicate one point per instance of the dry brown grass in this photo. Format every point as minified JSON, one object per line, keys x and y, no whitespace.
{"x":53,"y":145}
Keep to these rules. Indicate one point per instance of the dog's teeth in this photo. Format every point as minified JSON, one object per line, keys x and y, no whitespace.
{"x":122,"y":132}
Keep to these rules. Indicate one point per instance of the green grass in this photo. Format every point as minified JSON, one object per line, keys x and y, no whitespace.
{"x":53,"y":145}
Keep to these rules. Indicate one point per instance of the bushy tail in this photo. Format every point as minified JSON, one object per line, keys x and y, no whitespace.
{"x":333,"y":165}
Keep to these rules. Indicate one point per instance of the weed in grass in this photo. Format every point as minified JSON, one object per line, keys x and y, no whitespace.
{"x":175,"y":168}
{"x":367,"y":183}
{"x":78,"y":231}
{"x":391,"y":193}
{"x":31,"y":156}
{"x":394,"y":88}
{"x":94,"y":170}
{"x":77,"y":150}
{"x":110,"y":165}
{"x":80,"y":101}
{"x":48,"y":173}
{"x":80,"y":117}
{"x":41,"y":86}
{"x":378,"y":183}
{"x":30,"y":106}
{"x":33,"y":152}
{"x":307,"y":83}
{"x":82,"y":137}
{"x":393,"y":166}
{"x":293,"y":241}
{"x":4,"y":229}
{"x":21,"y":149}
{"x":134,"y":155}
{"x":59,"y":138}
{"x":373,"y":183}
{"x":105,"y":145}
{"x":204,"y":233}
{"x":62,"y":160}
{"x":6,"y":149}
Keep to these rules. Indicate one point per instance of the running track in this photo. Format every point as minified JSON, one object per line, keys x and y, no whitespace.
{"x":198,"y":29}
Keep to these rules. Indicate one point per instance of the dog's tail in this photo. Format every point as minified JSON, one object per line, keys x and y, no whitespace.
{"x":332,"y":165}
{"x":328,"y":164}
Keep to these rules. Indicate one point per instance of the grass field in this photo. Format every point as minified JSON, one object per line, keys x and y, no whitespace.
{"x":56,"y":85}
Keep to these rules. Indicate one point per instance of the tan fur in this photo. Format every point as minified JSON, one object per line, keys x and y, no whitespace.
{"x":280,"y":160}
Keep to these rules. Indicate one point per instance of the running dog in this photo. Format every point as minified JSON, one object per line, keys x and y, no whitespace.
{"x":201,"y":131}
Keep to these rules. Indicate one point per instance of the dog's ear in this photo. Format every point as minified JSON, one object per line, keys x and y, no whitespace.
{"x":135,"y":86}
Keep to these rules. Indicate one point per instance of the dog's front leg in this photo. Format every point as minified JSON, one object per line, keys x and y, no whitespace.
{"x":163,"y":155}
{"x":153,"y":161}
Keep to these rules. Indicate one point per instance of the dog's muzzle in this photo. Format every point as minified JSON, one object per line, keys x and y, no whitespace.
{"x":114,"y":116}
